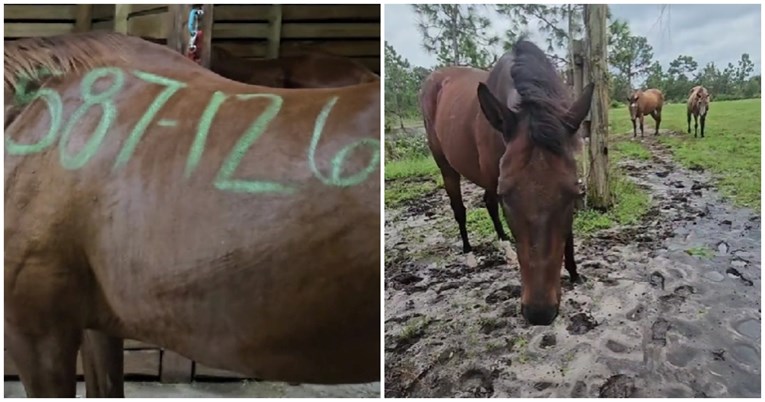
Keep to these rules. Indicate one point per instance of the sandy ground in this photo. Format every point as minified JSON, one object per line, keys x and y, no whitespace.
{"x":651,"y":320}
{"x":244,"y":389}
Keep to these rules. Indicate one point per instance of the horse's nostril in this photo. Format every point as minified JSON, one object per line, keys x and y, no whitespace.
{"x":538,"y":314}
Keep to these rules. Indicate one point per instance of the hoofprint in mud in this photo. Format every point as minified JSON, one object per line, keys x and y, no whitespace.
{"x":653,"y":318}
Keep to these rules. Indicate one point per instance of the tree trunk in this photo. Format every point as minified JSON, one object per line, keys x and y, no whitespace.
{"x":455,"y":35}
{"x":598,"y":191}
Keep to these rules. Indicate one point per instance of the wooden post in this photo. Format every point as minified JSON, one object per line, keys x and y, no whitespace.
{"x":598,"y":191}
{"x":274,"y":31}
{"x":175,"y":369}
{"x":84,"y":19}
{"x":178,"y":34}
{"x":121,"y":13}
{"x":206,"y":25}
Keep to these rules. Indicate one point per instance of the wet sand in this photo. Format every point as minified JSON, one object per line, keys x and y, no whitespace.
{"x":650,"y":320}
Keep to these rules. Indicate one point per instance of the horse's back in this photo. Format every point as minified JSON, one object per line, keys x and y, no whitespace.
{"x":455,"y":123}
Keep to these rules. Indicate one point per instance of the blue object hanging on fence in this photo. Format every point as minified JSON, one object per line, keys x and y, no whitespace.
{"x":193,"y":23}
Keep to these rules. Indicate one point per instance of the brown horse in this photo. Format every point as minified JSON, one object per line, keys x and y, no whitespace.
{"x":304,"y":70}
{"x":149,"y":198}
{"x":642,"y":103}
{"x":698,"y":106}
{"x":515,"y":138}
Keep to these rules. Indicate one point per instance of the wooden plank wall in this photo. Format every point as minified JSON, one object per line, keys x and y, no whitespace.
{"x":351,"y":30}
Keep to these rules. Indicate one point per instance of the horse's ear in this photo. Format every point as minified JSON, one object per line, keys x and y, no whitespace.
{"x":578,"y":111}
{"x":499,"y":116}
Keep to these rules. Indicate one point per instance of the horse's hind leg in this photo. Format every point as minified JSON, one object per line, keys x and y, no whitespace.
{"x":492,"y":205}
{"x":689,"y":122}
{"x":656,"y":114}
{"x":452,"y":185}
{"x":102,"y":360}
{"x":46,"y":363}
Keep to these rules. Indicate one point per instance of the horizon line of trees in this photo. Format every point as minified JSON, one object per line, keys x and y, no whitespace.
{"x":460,"y":35}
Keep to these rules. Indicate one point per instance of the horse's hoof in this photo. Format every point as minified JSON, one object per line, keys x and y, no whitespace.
{"x":504,"y":237}
{"x":466,"y":249}
{"x":578,"y":279}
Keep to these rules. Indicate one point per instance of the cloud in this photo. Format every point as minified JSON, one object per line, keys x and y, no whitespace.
{"x":707,"y":32}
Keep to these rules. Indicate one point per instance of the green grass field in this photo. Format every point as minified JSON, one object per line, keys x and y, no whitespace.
{"x":730,"y":151}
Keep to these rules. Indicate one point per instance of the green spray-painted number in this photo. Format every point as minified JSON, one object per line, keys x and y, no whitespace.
{"x":198,"y":146}
{"x":108,"y":115}
{"x":223,"y":181}
{"x":23,"y":95}
{"x":173,"y":86}
{"x":338,"y":161}
{"x":55,"y":107}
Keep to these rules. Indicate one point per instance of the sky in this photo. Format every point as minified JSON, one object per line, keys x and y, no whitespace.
{"x":707,"y":32}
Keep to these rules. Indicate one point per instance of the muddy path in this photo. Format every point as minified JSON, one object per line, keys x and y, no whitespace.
{"x":670,"y":307}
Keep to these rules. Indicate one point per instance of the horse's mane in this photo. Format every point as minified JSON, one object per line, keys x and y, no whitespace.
{"x":543,"y":96}
{"x":35,"y":59}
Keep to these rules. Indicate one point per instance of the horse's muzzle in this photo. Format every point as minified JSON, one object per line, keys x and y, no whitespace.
{"x":539,"y":315}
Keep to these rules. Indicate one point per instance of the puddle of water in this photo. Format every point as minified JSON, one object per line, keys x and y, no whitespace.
{"x":749,"y":328}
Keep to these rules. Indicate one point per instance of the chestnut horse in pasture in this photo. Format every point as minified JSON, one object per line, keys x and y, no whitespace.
{"x":641,"y":103}
{"x":304,"y":70}
{"x":148,"y":198}
{"x":698,"y":106}
{"x":513,"y":132}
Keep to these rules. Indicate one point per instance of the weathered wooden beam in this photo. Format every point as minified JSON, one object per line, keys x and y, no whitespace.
{"x":84,"y":20}
{"x":121,"y":14}
{"x":177,"y":33}
{"x":206,"y":25}
{"x":598,"y":191}
{"x":274,"y":31}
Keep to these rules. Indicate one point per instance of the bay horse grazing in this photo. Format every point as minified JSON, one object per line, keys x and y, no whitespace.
{"x":698,"y":106}
{"x":303,"y":70}
{"x":149,"y":198}
{"x":641,"y":103}
{"x":515,"y":137}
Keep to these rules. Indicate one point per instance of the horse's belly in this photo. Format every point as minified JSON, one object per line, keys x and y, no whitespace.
{"x":246,"y":292}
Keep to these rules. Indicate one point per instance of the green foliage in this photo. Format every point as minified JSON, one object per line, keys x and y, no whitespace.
{"x":629,"y":54}
{"x":456,"y":34}
{"x":402,"y":83}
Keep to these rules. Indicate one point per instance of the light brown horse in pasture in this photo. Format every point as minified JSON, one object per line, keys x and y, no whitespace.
{"x":148,"y":198}
{"x":515,"y":137}
{"x":641,"y":103}
{"x":303,"y":70}
{"x":698,"y":106}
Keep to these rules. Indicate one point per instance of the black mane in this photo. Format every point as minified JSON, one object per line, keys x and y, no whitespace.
{"x":543,"y":96}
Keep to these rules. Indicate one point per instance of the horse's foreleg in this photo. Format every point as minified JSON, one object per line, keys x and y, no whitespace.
{"x":569,"y":257}
{"x":703,"y":123}
{"x":492,"y":205}
{"x":695,"y":125}
{"x":102,"y":360}
{"x":452,"y":186}
{"x":689,"y":122}
{"x":46,"y":363}
{"x":634,"y":128}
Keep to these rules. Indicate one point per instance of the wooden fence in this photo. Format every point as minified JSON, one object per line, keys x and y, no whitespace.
{"x":249,"y":31}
